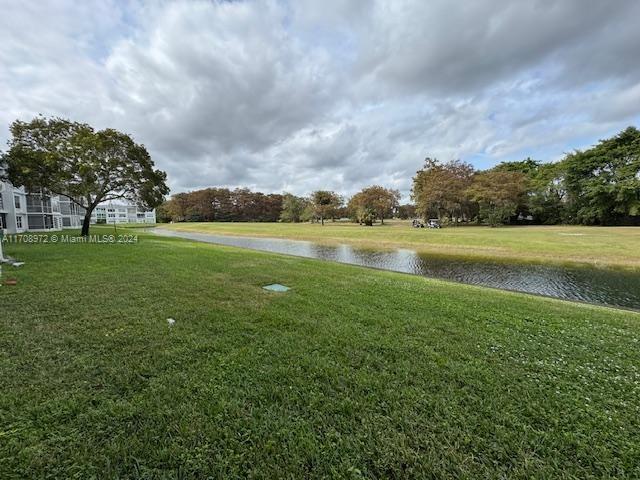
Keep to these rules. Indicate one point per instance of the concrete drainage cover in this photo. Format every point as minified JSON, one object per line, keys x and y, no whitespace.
{"x":276,"y":287}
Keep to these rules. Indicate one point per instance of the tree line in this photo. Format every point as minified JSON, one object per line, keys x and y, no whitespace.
{"x":242,"y":205}
{"x":222,"y":205}
{"x":600,"y":185}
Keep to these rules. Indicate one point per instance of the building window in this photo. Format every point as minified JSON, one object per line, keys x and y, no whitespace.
{"x":18,"y":221}
{"x":1,"y":202}
{"x":40,"y":222}
{"x":3,"y":221}
{"x":16,"y":199}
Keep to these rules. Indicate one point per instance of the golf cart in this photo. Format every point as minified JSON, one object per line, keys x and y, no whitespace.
{"x":417,"y":223}
{"x":433,"y":223}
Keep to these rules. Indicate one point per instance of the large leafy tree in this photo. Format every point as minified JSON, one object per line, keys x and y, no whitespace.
{"x":374,"y":202}
{"x":360,"y":211}
{"x":293,"y":208}
{"x":544,"y":195}
{"x":603,"y":183}
{"x":439,"y":189}
{"x":325,"y":204}
{"x":547,"y":194}
{"x":73,"y":160}
{"x":177,"y":207}
{"x":498,"y":194}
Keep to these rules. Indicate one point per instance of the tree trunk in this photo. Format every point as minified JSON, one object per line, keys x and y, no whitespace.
{"x":85,"y":224}
{"x":322,"y":220}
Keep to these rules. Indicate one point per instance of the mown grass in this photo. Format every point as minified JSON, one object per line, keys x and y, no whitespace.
{"x":115,"y":227}
{"x":600,"y":246}
{"x":354,"y":373}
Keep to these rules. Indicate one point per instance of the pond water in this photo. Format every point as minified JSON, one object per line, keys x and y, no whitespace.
{"x":607,"y":287}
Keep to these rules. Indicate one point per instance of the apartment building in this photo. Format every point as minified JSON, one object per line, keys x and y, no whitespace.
{"x":35,"y":211}
{"x":122,"y":213}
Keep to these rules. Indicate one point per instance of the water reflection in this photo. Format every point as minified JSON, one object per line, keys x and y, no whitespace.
{"x":592,"y":285}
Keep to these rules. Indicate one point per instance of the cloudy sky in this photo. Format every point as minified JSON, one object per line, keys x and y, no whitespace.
{"x":295,"y":96}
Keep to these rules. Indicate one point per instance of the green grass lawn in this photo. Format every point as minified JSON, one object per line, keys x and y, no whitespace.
{"x":111,"y":227}
{"x":353,"y":373}
{"x":601,"y":246}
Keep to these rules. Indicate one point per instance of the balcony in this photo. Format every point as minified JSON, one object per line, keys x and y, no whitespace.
{"x":38,"y":204}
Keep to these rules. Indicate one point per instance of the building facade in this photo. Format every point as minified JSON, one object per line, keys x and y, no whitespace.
{"x":35,"y":211}
{"x":13,"y":209}
{"x":111,"y":213}
{"x":71,"y":213}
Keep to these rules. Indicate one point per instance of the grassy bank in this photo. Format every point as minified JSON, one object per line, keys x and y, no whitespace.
{"x":353,"y":373}
{"x":600,"y":246}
